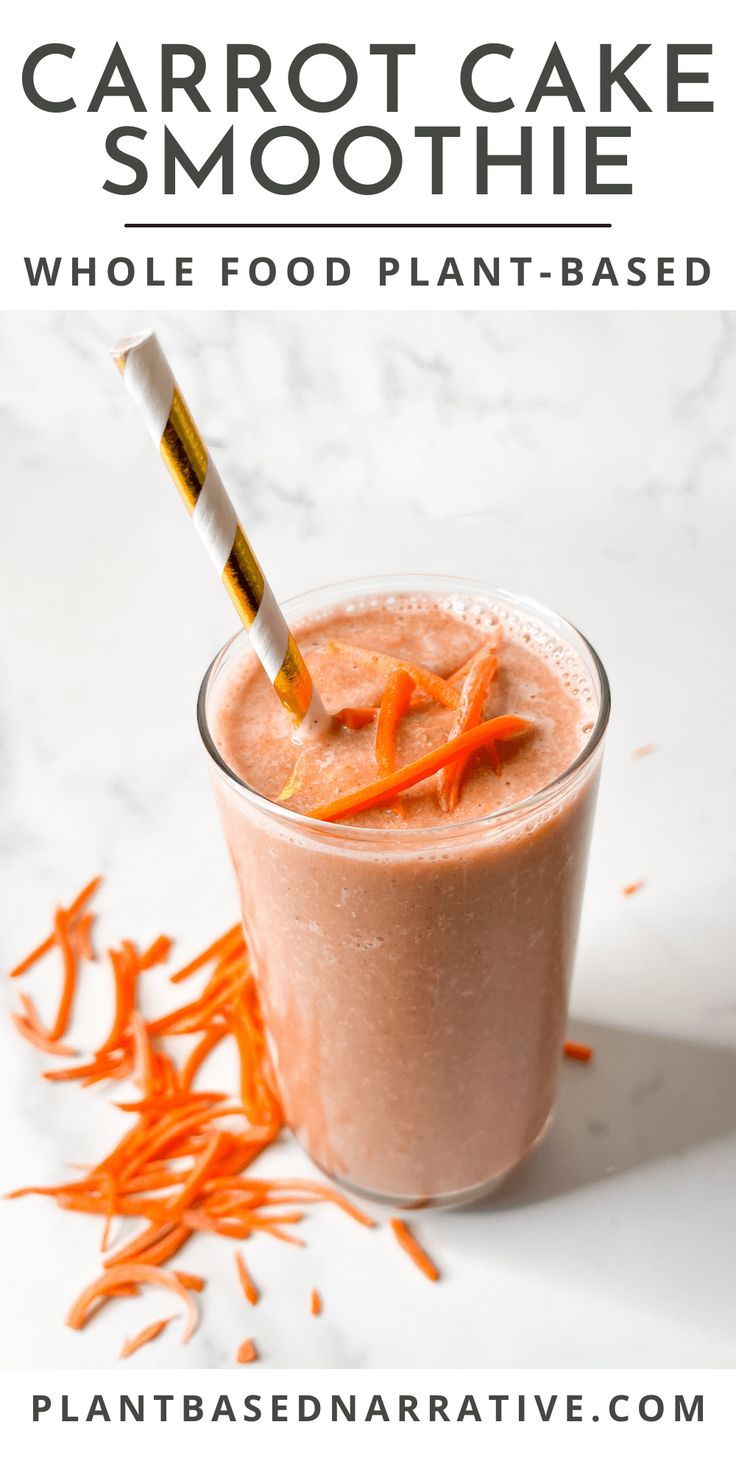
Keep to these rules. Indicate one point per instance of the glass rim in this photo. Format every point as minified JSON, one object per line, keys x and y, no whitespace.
{"x":428,"y":583}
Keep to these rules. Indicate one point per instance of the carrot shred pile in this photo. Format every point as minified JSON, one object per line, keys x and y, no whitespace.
{"x":406,"y":1239}
{"x":182,"y":1165}
{"x":410,"y":687}
{"x":579,"y":1052}
{"x":374,"y":794}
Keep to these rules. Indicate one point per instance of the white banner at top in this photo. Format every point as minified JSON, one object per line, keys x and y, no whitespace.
{"x":544,"y":155}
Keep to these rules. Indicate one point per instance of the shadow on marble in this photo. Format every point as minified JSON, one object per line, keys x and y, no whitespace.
{"x":642,"y":1099}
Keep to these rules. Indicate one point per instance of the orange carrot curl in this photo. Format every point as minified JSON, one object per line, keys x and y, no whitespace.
{"x":73,"y":911}
{"x":406,"y":1239}
{"x":580,"y":1052}
{"x":131,"y":1273}
{"x":501,"y":728}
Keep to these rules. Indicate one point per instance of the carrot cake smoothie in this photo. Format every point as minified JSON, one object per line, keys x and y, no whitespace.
{"x":413,"y":953}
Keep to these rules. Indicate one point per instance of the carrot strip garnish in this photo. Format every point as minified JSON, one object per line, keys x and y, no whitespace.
{"x":138,"y":1245}
{"x":394,"y":706}
{"x":313,"y":1188}
{"x":157,"y":953}
{"x":164,"y":1103}
{"x":194,"y":1281}
{"x":64,"y":941}
{"x":32,"y":1016}
{"x":634,"y":888}
{"x":82,"y":936}
{"x":126,"y":976}
{"x":212,"y":952}
{"x":142,"y":1054}
{"x":198,"y":1176}
{"x":72,"y":912}
{"x":406,"y":1239}
{"x":247,"y":1353}
{"x":579,"y":1051}
{"x":315,"y":1303}
{"x":40,"y":1040}
{"x":132,"y":1273}
{"x":354,"y":717}
{"x":501,"y":728}
{"x":473,"y":697}
{"x":204,"y":1047}
{"x":440,"y":690}
{"x":144,"y":1337}
{"x":246,"y":1282}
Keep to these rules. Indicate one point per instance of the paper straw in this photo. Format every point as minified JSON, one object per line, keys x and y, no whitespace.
{"x":152,"y":386}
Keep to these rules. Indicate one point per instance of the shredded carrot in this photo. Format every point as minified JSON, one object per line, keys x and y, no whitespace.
{"x":501,"y":728}
{"x":72,"y":912}
{"x":634,"y":888}
{"x":246,"y":1353}
{"x":125,"y":974}
{"x":150,"y":1238}
{"x":157,"y":953}
{"x":178,"y":1168}
{"x":406,"y":1239}
{"x":434,"y":685}
{"x":82,"y":936}
{"x":64,"y":941}
{"x":204,"y":1047}
{"x":132,"y":1272}
{"x":164,"y":1103}
{"x":473,"y":697}
{"x":641,"y":751}
{"x":580,"y":1052}
{"x":40,"y":1040}
{"x":191,"y":1280}
{"x":145,"y":1336}
{"x":213,"y":952}
{"x":315,"y":1303}
{"x":143,"y":1054}
{"x":394,"y":706}
{"x":354,"y":717}
{"x":246,"y":1282}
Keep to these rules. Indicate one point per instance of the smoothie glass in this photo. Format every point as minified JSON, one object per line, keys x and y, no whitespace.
{"x":414,"y":982}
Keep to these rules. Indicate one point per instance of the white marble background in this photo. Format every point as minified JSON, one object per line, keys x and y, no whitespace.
{"x":586,"y":459}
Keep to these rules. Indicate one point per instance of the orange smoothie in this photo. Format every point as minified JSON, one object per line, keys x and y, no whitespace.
{"x":413,"y":963}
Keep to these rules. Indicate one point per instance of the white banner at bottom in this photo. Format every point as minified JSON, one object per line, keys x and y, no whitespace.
{"x":113,"y":1419}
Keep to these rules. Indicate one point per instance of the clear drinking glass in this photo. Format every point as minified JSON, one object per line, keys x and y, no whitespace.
{"x":414,"y":983}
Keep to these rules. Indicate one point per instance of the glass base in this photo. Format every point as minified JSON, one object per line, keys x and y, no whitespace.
{"x":447,"y":1200}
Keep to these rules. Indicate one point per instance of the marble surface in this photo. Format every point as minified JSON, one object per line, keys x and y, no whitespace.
{"x":588,"y":460}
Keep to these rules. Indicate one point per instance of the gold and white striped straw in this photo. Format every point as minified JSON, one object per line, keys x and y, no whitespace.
{"x":152,"y":386}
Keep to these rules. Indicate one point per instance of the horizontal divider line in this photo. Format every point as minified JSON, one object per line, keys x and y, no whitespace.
{"x":367,"y":225}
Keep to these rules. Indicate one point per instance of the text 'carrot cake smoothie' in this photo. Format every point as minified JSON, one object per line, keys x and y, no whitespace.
{"x":411,"y":875}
